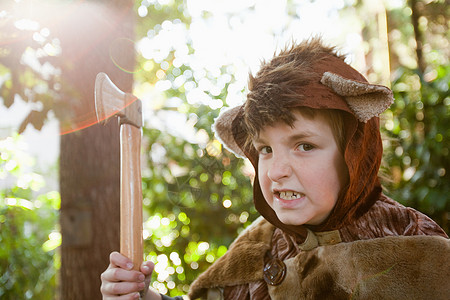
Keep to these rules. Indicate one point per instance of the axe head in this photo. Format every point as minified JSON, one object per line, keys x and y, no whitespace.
{"x":111,"y":101}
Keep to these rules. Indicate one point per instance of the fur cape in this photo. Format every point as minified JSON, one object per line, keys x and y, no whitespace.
{"x":397,"y":267}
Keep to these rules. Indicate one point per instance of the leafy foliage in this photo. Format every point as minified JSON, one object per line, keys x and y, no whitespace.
{"x":419,"y":154}
{"x":418,"y":121}
{"x":195,"y":205}
{"x":28,"y":230}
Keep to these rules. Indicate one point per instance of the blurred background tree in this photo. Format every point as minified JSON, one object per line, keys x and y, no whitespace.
{"x":418,"y":121}
{"x":197,"y":195}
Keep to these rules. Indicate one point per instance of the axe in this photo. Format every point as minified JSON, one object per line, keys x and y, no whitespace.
{"x":111,"y":101}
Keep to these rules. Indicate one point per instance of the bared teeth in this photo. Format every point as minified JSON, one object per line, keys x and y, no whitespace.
{"x":290,"y":195}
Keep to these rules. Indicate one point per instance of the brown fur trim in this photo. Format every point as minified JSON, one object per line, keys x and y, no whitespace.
{"x":222,"y":129}
{"x":365,"y":100}
{"x":243,"y":263}
{"x":401,"y":267}
{"x":282,"y":82}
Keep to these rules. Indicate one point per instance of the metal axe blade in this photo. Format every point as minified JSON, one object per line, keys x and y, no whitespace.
{"x":111,"y":101}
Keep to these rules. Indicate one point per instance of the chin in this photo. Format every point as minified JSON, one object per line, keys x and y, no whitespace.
{"x":289,"y":220}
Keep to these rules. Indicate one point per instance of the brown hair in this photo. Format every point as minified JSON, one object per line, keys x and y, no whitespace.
{"x":278,"y":85}
{"x":334,"y":119}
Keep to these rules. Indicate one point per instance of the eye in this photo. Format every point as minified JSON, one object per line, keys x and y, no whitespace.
{"x":305,"y":147}
{"x":265,"y":150}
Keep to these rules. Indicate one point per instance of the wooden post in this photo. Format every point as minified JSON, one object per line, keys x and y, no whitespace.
{"x":92,"y":35}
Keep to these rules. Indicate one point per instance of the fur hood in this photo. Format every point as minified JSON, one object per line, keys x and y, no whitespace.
{"x":315,"y":76}
{"x":401,"y":267}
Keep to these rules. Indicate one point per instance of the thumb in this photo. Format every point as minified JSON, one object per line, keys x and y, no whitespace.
{"x":147,"y":268}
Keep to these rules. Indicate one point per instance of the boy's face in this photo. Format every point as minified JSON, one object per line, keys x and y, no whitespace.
{"x":300,"y":170}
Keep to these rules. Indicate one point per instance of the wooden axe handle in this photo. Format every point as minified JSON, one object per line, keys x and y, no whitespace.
{"x":131,"y":195}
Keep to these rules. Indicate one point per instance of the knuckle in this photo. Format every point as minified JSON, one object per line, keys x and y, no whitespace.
{"x":104,"y":275}
{"x":115,"y":273}
{"x":115,"y":289}
{"x":113,"y":255}
{"x":105,"y":289}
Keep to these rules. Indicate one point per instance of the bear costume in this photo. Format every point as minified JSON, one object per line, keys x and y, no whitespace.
{"x":370,"y":246}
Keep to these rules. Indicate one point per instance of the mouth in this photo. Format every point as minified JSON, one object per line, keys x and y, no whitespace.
{"x":289,"y":195}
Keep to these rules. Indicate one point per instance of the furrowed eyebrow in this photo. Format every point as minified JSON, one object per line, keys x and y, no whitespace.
{"x":291,"y":138}
{"x":258,"y":141}
{"x":300,"y":136}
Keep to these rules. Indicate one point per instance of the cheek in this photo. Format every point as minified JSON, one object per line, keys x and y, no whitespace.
{"x":264,"y":183}
{"x":326,"y":178}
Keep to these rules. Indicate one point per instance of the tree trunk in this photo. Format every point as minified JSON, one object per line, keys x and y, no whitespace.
{"x":95,"y":37}
{"x":415,"y":15}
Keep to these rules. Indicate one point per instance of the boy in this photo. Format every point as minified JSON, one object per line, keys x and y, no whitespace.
{"x":310,"y":128}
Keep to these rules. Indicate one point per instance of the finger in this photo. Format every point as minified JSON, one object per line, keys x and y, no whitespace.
{"x":147,"y":267}
{"x":118,"y":274}
{"x":132,"y":296}
{"x":121,"y":261}
{"x":122,"y":288}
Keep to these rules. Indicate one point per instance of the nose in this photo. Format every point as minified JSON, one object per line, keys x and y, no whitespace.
{"x":280,"y":168}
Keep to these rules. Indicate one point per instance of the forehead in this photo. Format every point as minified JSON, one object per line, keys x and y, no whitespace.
{"x":305,"y":124}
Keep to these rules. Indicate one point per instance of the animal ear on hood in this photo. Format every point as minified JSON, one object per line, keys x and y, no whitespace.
{"x":364,"y":99}
{"x":224,"y":132}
